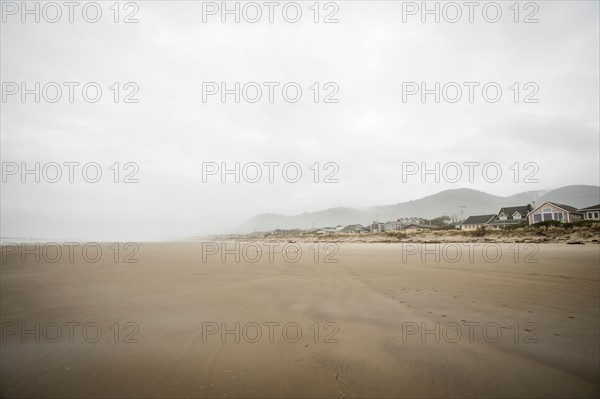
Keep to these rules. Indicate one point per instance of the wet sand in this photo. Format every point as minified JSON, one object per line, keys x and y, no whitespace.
{"x":526,"y":329}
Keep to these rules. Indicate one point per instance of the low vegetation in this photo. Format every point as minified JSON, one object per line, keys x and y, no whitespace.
{"x":544,"y":232}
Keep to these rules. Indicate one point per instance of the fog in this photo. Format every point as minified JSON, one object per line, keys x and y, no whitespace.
{"x":359,"y":119}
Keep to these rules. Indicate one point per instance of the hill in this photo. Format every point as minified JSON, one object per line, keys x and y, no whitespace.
{"x":449,"y":202}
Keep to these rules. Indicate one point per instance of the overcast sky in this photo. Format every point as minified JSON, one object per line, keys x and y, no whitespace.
{"x":368,"y":133}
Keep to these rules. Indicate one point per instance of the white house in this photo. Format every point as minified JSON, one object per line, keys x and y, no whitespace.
{"x":326,"y":230}
{"x":475,"y":222}
{"x":354,"y":229}
{"x":591,"y":212}
{"x":377,"y":227}
{"x":392,"y":226}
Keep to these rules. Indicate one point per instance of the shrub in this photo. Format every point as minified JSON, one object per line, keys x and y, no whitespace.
{"x":479,"y":232}
{"x":546,"y":224}
{"x":516,"y":226}
{"x":447,"y":227}
{"x":586,"y":223}
{"x":396,"y":234}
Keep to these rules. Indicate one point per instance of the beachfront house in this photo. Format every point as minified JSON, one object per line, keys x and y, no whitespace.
{"x":514,"y":212}
{"x":591,"y":212}
{"x":552,"y":211}
{"x":286,"y":231}
{"x":392,"y":226}
{"x":403,"y":223}
{"x":377,"y":227}
{"x":326,"y":230}
{"x":511,"y":216}
{"x":410,"y":220}
{"x":475,"y":222}
{"x":354,"y":229}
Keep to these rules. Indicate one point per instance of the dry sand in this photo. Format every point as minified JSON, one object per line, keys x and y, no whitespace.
{"x":373,"y":297}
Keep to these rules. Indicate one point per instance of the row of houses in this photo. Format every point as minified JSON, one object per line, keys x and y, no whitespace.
{"x":527,"y":214}
{"x":507,"y":216}
{"x":403,"y":224}
{"x":399,"y":225}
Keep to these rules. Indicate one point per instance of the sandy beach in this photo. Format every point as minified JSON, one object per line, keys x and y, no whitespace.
{"x":349,"y":320}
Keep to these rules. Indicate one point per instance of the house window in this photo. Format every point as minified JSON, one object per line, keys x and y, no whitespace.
{"x":547,"y":210}
{"x":547,"y":216}
{"x":595,"y":215}
{"x":537,"y":218}
{"x":502,"y":216}
{"x":558,"y":216}
{"x":589,"y":215}
{"x":516,"y":215}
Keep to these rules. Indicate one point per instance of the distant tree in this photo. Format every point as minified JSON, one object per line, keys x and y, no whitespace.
{"x":440,"y":221}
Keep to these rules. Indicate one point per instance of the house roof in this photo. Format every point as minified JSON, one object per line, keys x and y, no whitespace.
{"x":479,"y":219}
{"x":352,"y":227}
{"x":565,"y":207}
{"x":327,"y":229}
{"x":420,"y":226}
{"x":509,"y":211}
{"x":590,"y":208}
